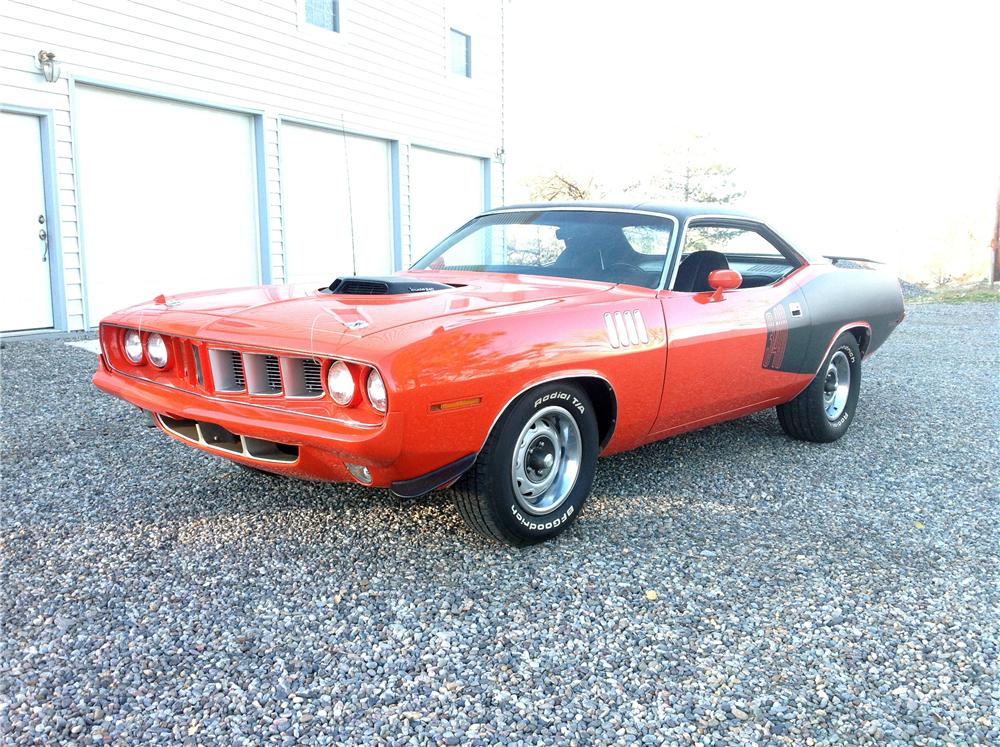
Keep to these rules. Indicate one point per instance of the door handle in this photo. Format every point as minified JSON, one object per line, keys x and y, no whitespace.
{"x":44,"y":236}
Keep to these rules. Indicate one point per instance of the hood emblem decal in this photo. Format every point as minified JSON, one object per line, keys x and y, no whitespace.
{"x":356,"y":324}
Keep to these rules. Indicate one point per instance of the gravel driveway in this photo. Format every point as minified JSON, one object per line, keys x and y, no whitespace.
{"x":731,"y":585}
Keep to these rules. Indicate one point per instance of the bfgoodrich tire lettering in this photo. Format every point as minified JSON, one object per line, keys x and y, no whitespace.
{"x":824,"y":411}
{"x":536,"y":468}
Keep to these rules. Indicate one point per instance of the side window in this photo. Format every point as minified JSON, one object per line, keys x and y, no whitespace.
{"x":745,"y":250}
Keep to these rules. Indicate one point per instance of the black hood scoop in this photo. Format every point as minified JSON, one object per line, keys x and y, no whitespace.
{"x":381,"y":286}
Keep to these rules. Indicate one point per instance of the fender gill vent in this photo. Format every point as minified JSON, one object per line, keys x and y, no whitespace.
{"x":626,"y":329}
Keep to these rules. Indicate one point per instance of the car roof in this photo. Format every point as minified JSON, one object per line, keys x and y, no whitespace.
{"x":681,"y":211}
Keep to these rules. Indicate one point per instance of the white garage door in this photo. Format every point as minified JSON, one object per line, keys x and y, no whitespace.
{"x":168,"y":198}
{"x":337,"y":200}
{"x":446,"y":190}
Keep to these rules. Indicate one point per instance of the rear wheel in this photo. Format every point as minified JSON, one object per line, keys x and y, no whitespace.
{"x":536,"y":469}
{"x":823,"y":412}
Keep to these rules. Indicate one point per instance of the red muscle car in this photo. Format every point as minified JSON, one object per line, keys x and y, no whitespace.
{"x":504,"y":362}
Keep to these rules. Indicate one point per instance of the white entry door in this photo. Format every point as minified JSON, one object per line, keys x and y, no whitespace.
{"x":168,"y":198}
{"x":26,"y":298}
{"x":336,"y":194}
{"x":446,"y":190}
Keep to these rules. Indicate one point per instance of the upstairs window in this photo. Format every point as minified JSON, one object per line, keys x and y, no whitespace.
{"x":461,"y":54}
{"x":323,"y":13}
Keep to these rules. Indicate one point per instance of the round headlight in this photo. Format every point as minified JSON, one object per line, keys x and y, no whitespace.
{"x":376,"y":391}
{"x":156,"y":350}
{"x":133,"y":346}
{"x":340,"y":382}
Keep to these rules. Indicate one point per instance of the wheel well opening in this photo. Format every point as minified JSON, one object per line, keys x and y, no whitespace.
{"x":863,"y":335}
{"x":602,"y":397}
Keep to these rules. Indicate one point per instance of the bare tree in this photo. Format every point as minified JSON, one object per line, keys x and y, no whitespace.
{"x":559,"y":186}
{"x":692,"y":172}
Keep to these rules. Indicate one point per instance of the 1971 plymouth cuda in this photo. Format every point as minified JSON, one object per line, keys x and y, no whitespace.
{"x":524,"y":345}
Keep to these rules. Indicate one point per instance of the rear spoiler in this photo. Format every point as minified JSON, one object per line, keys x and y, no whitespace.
{"x":861,"y":260}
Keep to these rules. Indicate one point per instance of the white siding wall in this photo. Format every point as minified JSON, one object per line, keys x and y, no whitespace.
{"x":385,"y":74}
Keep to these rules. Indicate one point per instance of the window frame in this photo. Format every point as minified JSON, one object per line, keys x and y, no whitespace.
{"x":747,"y":224}
{"x":452,"y":31}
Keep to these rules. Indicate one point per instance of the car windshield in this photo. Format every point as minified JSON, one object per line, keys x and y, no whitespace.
{"x":610,"y":246}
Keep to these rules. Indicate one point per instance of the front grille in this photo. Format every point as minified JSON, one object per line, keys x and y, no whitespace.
{"x":196,"y":356}
{"x":217,"y":437}
{"x":312,"y":371}
{"x":227,"y":370}
{"x":302,"y":376}
{"x":263,"y":373}
{"x":266,"y":374}
{"x":272,"y":372}
{"x":239,"y":375}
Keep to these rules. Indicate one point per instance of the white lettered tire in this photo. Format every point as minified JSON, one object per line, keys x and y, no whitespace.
{"x":536,"y":469}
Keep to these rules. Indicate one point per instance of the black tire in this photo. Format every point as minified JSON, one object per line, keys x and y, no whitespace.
{"x":487,"y":498}
{"x":806,"y":418}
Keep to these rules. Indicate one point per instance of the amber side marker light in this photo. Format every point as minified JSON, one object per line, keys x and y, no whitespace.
{"x":456,"y":404}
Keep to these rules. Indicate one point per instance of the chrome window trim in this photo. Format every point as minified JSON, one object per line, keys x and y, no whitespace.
{"x":734,"y":220}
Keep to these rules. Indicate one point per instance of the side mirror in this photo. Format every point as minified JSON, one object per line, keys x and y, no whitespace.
{"x":723,"y":280}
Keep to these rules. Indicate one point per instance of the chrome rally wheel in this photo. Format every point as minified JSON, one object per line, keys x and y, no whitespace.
{"x":837,"y":385}
{"x":546,"y":461}
{"x":823,"y":411}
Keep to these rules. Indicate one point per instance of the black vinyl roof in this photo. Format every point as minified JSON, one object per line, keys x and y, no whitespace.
{"x":681,"y":211}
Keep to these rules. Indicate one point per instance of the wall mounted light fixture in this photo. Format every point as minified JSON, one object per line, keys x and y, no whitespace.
{"x":49,"y":66}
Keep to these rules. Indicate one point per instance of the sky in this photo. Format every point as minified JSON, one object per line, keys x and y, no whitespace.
{"x":868,"y":129}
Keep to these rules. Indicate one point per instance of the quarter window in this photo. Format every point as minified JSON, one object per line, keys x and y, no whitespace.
{"x":323,"y":13}
{"x":745,"y":250}
{"x":461,"y":54}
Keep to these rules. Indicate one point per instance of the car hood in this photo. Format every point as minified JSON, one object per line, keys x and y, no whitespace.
{"x":296,"y":313}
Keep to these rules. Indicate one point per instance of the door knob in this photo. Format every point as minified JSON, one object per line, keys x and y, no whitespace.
{"x":44,"y":236}
{"x":41,"y":219}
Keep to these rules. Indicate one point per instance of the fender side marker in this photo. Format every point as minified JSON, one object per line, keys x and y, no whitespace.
{"x":456,"y":404}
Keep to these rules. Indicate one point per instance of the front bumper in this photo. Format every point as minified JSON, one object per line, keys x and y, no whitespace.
{"x":324,"y":445}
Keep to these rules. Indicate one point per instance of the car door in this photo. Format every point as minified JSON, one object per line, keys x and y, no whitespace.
{"x":724,"y":353}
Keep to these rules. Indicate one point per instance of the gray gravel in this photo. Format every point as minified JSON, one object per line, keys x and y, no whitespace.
{"x":728,"y":586}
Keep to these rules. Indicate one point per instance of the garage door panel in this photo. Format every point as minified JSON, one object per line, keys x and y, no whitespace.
{"x":446,"y":190}
{"x":168,"y":198}
{"x":337,"y":199}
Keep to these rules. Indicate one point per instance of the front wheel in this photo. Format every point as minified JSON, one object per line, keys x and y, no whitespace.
{"x":533,"y":475}
{"x":823,"y":412}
